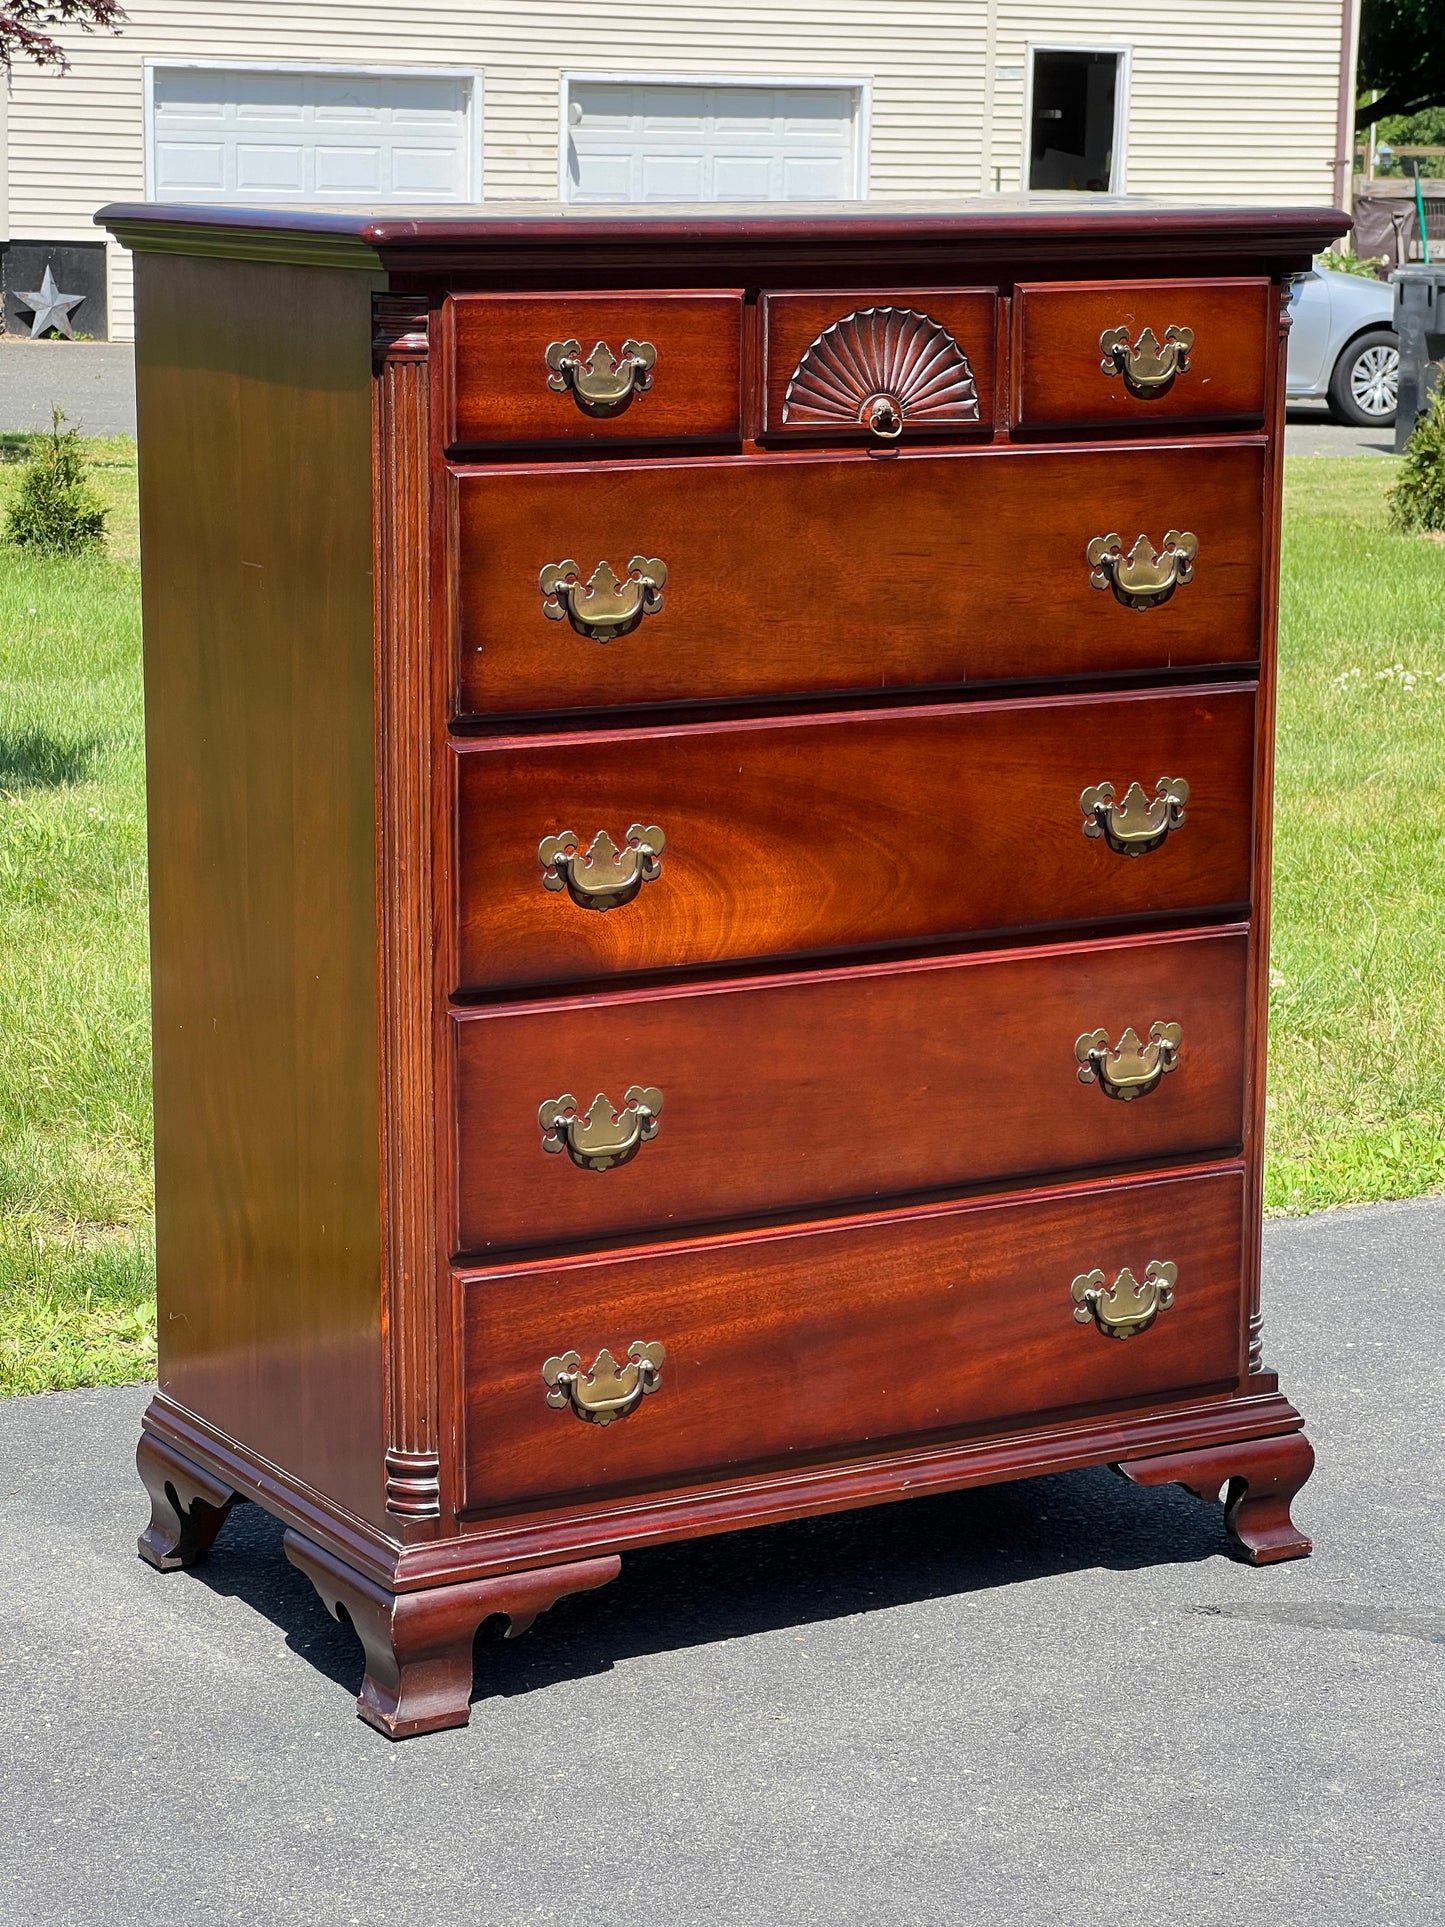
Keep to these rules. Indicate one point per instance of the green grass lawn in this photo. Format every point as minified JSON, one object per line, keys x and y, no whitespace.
{"x":1358,"y":1039}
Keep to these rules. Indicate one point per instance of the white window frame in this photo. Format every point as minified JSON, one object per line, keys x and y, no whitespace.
{"x":861,"y":89}
{"x":1119,"y":183}
{"x":154,"y":64}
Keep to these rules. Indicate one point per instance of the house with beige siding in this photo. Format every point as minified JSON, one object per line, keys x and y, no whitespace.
{"x":442,"y":102}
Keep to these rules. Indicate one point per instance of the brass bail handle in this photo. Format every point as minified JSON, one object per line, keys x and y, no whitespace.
{"x":606,"y":877}
{"x":600,"y":1139}
{"x":607,"y":605}
{"x":1148,"y":366}
{"x":600,"y":384}
{"x":1139,"y":823}
{"x":1128,"y":1306}
{"x":1131,"y":1068}
{"x":1142,"y":577}
{"x":608,"y":1391}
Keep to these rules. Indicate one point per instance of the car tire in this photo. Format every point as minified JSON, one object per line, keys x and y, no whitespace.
{"x":1365,"y":385}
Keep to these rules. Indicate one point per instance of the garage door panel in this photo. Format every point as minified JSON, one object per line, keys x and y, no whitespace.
{"x":665,"y":142}
{"x":304,"y":136}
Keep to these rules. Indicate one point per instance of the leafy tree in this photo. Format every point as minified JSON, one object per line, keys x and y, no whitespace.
{"x":23,"y":24}
{"x":1402,"y":53}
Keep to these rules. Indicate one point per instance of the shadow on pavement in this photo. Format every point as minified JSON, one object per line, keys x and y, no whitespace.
{"x":705,"y":1590}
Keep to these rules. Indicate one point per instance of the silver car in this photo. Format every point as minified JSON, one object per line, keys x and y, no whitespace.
{"x":1343,"y":348}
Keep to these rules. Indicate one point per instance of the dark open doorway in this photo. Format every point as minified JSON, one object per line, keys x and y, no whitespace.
{"x":1071,"y":132}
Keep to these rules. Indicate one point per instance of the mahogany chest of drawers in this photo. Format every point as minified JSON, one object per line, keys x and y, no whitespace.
{"x":710,"y":824}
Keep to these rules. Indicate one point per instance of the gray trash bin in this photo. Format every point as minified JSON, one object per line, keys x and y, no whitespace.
{"x":1420,"y":324}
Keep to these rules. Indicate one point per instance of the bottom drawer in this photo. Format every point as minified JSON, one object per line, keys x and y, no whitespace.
{"x":822,"y":1341}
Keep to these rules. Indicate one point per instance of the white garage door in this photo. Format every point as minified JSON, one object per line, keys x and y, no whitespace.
{"x":698,"y":143}
{"x":240,"y":135}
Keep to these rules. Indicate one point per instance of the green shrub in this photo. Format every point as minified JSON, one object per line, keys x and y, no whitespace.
{"x":1417,"y":501}
{"x":1370,"y":267}
{"x":55,"y":509}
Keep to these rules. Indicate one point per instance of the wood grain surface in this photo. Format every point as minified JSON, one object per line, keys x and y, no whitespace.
{"x":257,"y":591}
{"x":791,"y":322}
{"x":815,"y":834}
{"x":844,"y":1086}
{"x":499,"y":391}
{"x":803,"y":573}
{"x":834,"y":1339}
{"x":1058,"y":381}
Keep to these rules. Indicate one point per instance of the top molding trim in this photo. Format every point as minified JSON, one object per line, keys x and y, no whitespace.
{"x":500,"y":231}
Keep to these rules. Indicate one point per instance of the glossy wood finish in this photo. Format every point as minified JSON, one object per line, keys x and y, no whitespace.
{"x":418,"y":1645}
{"x":792,"y":322}
{"x":816,"y":834}
{"x":497,"y":348}
{"x":833,"y":1340}
{"x":1260,"y":1479}
{"x":847,"y":1085}
{"x":834,"y":1228}
{"x":261,"y":785}
{"x":1058,"y":381}
{"x":816,"y":573}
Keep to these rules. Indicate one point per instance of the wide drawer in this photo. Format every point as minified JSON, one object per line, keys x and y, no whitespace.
{"x":1141,"y":354}
{"x":702,"y":580}
{"x":841,"y":1339}
{"x":824,"y":1089}
{"x":600,"y":368}
{"x":879,"y":367}
{"x":812,"y":834}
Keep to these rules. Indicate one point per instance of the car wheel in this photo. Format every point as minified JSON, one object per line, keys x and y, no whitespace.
{"x":1365,"y":387}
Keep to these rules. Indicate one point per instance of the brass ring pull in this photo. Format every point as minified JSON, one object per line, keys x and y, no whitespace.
{"x":1138,"y":824}
{"x":1149,"y":366}
{"x":602,"y":1139}
{"x":604,"y":607}
{"x":1144,"y":577}
{"x":1127,"y":1307}
{"x":600,"y":385}
{"x":606,"y":877}
{"x":1130,"y":1069}
{"x":605,"y":1393}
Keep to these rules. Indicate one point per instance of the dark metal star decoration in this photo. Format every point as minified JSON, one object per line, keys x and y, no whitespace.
{"x":52,"y":308}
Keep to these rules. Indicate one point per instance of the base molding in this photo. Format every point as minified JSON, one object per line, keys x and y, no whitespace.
{"x":1259,"y":1477}
{"x":418,"y":1645}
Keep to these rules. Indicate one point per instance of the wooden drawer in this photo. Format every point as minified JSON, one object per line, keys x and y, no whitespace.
{"x":808,"y":573}
{"x":815,"y":834}
{"x":1059,"y":375}
{"x":926,"y":355}
{"x":779,"y":1094}
{"x":504,"y":389}
{"x":845,"y":1337}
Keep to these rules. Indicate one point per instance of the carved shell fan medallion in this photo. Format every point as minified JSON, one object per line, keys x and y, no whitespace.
{"x":882,"y":368}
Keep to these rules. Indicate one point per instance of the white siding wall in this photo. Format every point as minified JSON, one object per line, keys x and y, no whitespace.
{"x":1231,"y":98}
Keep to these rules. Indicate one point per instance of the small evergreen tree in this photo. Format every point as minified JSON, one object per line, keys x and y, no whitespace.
{"x":55,"y":508}
{"x":1417,"y":501}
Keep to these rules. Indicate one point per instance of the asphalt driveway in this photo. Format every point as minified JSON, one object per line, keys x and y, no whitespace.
{"x":1052,"y":1702}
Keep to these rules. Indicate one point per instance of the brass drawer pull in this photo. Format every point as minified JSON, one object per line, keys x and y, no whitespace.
{"x":1138,"y":824}
{"x":1131,"y":1069}
{"x":1127,"y":1307}
{"x":603,"y":608}
{"x":1144,"y":577}
{"x":602,"y":1139}
{"x":605,"y":1393}
{"x":600,"y":385}
{"x":605,"y":877}
{"x":1149,"y":365}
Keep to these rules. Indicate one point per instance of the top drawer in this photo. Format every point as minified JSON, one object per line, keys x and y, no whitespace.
{"x":572,"y":368}
{"x":1139,"y":354}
